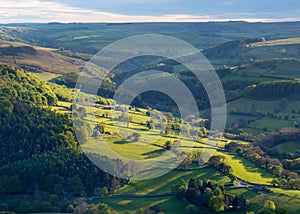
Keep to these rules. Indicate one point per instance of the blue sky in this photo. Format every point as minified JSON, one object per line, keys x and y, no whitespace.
{"x":147,"y":10}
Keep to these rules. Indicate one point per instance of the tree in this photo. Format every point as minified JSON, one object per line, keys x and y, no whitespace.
{"x":169,"y":116}
{"x":10,"y":184}
{"x":168,"y":145}
{"x":6,"y":106}
{"x":102,"y":209}
{"x":216,"y":160}
{"x":269,"y":205}
{"x":136,"y":137}
{"x":202,"y":132}
{"x":48,"y":207}
{"x":239,"y":202}
{"x":216,"y":203}
{"x":208,"y":193}
{"x":180,"y":189}
{"x":294,"y":184}
{"x":78,"y":188}
{"x":101,"y":191}
{"x":125,"y":118}
{"x":82,"y":112}
{"x":186,"y":129}
{"x":53,"y":199}
{"x":277,"y":170}
{"x":193,"y":192}
{"x":26,"y":207}
{"x":51,"y":181}
{"x":150,"y":125}
{"x":275,"y":182}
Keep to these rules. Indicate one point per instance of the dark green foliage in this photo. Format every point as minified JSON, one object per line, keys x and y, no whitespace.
{"x":68,"y":80}
{"x":10,"y":184}
{"x":107,"y":87}
{"x":16,"y":86}
{"x":211,"y":194}
{"x":31,"y":131}
{"x":275,"y":89}
{"x":216,"y":203}
{"x":168,"y":145}
{"x":218,"y":163}
{"x":82,"y":207}
{"x":26,"y":207}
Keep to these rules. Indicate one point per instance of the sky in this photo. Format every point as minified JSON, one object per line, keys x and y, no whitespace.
{"x":20,"y":11}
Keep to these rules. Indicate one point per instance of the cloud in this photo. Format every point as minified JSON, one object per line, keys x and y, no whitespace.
{"x":18,"y":11}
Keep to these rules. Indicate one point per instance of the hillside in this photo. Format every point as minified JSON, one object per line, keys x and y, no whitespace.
{"x":36,"y":59}
{"x":39,"y":148}
{"x":249,"y":50}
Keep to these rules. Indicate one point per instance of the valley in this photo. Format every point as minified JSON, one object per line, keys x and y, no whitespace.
{"x":46,"y":160}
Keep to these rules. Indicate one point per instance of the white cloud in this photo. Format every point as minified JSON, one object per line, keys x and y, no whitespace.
{"x":13,"y":11}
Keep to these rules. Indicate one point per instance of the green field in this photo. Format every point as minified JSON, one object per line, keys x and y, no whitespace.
{"x":264,"y":106}
{"x":46,"y":76}
{"x":290,"y":147}
{"x":164,"y":183}
{"x":168,"y":204}
{"x":151,"y":145}
{"x":246,"y":170}
{"x":270,"y":124}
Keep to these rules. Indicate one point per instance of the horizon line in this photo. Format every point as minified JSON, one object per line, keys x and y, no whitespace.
{"x":150,"y":22}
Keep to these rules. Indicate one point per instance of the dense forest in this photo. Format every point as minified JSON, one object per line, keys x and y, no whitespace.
{"x":39,"y":151}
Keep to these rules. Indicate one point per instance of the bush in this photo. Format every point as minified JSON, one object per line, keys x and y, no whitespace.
{"x":26,"y":207}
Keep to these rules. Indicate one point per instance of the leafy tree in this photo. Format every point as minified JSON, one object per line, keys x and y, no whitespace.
{"x":150,"y":125}
{"x":269,"y":205}
{"x":168,"y":145}
{"x":26,"y":207}
{"x":101,"y":191}
{"x":216,"y":203}
{"x":48,"y":207}
{"x":10,"y":184}
{"x":180,"y":189}
{"x":202,"y":132}
{"x":102,"y":209}
{"x":78,"y":188}
{"x":54,"y":200}
{"x":136,"y":136}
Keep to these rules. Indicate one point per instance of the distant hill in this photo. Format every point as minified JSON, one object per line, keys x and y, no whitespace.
{"x":91,"y":37}
{"x":249,"y":50}
{"x":38,"y":60}
{"x":289,"y":41}
{"x":230,"y":49}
